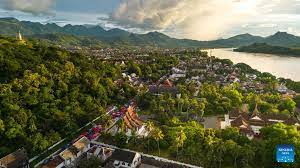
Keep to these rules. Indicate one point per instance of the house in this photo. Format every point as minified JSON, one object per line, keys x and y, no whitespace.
{"x":17,"y":159}
{"x":177,"y":70}
{"x":100,"y":152}
{"x":282,"y":89}
{"x":177,"y":73}
{"x":70,"y":154}
{"x":251,"y":76}
{"x":177,"y":76}
{"x":56,"y":162}
{"x":82,"y":145}
{"x":124,"y":159}
{"x":250,"y":124}
{"x":161,"y":89}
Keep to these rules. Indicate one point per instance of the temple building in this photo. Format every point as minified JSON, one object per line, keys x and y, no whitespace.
{"x":250,"y":124}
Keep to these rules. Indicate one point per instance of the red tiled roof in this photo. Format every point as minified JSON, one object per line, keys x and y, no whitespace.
{"x":131,"y":119}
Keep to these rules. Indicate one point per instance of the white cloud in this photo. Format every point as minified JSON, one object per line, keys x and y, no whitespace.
{"x":267,"y":25}
{"x":206,"y":19}
{"x":197,"y":19}
{"x":30,"y":6}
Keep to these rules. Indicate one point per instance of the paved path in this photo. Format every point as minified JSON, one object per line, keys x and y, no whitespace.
{"x":211,"y":122}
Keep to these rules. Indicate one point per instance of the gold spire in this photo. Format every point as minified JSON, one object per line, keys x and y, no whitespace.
{"x":19,"y":36}
{"x":255,"y":111}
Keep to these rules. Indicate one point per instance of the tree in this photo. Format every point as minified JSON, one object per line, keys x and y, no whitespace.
{"x":248,"y":154}
{"x":179,"y":140}
{"x":278,"y":134}
{"x":287,"y":104}
{"x":121,"y":139}
{"x":220,"y":150}
{"x":234,"y":149}
{"x":92,"y":162}
{"x":2,"y":127}
{"x":157,"y":135}
{"x":149,"y":127}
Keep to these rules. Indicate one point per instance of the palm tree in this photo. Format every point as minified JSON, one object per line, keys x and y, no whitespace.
{"x":149,"y":127}
{"x":121,"y":126}
{"x":179,"y":140}
{"x":220,"y":150}
{"x":157,"y":135}
{"x":180,"y":103}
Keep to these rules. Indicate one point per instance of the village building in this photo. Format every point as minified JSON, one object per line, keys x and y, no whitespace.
{"x":124,"y":159}
{"x":103,"y":153}
{"x":17,"y":159}
{"x":69,"y":155}
{"x":56,"y":162}
{"x":166,"y":87}
{"x":282,"y":89}
{"x":250,"y":124}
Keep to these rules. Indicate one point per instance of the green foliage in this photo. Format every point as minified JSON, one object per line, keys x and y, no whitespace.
{"x":47,"y":93}
{"x":121,"y":139}
{"x":92,"y":162}
{"x":268,"y":49}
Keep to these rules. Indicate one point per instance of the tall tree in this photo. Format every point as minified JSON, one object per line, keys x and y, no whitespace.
{"x":157,"y":135}
{"x":179,"y":140}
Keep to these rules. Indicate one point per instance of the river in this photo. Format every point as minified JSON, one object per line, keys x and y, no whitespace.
{"x":280,"y":66}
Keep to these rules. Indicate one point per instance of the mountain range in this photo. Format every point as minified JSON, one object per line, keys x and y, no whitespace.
{"x":81,"y":34}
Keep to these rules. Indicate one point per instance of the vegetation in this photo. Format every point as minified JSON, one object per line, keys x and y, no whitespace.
{"x":118,"y":37}
{"x":47,"y":93}
{"x":69,"y":41}
{"x":268,"y":49}
{"x":188,"y":142}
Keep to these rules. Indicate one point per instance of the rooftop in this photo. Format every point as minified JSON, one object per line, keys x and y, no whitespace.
{"x":54,"y":162}
{"x":124,"y":156}
{"x":16,"y":159}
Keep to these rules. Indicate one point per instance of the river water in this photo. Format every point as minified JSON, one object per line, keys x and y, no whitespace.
{"x":280,"y":66}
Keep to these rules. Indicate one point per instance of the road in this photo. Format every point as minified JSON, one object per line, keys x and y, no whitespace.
{"x":61,"y":141}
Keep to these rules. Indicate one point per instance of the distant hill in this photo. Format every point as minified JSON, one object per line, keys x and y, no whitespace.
{"x":283,"y":39}
{"x":119,"y":37}
{"x":69,"y":40}
{"x":268,"y":49}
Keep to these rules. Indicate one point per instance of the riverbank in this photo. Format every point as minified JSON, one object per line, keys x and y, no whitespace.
{"x":285,"y":67}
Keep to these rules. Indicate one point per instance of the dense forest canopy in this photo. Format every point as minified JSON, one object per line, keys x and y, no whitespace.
{"x":46,"y":93}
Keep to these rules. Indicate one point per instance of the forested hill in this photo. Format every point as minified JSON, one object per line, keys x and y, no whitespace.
{"x":47,"y":93}
{"x":90,"y":35}
{"x":268,"y":49}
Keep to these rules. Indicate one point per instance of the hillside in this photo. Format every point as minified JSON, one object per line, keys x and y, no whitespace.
{"x":96,"y":35}
{"x":283,"y":39}
{"x":47,"y":93}
{"x":69,"y":40}
{"x":9,"y":26}
{"x":268,"y":49}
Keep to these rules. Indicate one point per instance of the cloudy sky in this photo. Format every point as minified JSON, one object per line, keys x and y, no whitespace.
{"x":194,"y":19}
